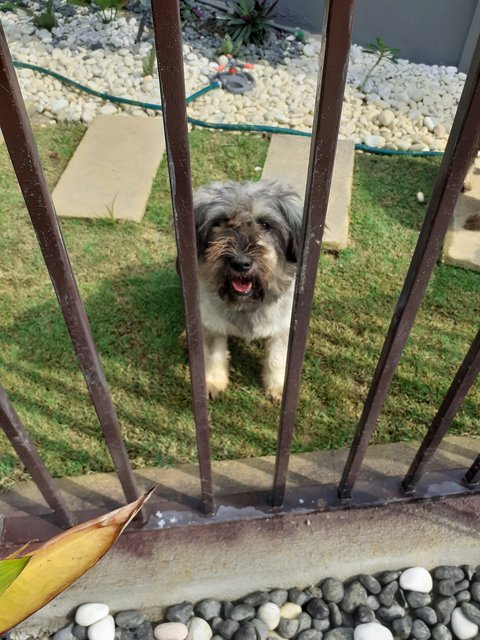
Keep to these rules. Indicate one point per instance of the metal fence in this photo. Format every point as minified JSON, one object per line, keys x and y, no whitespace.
{"x":462,"y":144}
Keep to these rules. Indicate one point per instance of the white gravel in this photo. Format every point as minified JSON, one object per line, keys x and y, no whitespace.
{"x":405,"y":106}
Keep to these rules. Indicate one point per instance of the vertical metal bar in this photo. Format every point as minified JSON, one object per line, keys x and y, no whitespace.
{"x":461,"y":145}
{"x":20,"y":143}
{"x":15,"y":431}
{"x":459,"y":388}
{"x":336,"y":39}
{"x":166,"y":20}
{"x":473,"y":474}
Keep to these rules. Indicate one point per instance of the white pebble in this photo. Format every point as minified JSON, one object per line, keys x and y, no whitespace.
{"x":90,"y":613}
{"x":374,"y":141}
{"x":102,"y":630}
{"x":416,"y":579}
{"x":372,"y":631}
{"x":386,"y":118}
{"x":199,"y":629}
{"x":462,"y":627}
{"x":170,"y":631}
{"x":269,"y":613}
{"x":290,"y":610}
{"x":420,"y":197}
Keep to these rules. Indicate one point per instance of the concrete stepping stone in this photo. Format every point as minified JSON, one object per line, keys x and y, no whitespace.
{"x":287,"y":160}
{"x":462,"y":246}
{"x":111,"y":172}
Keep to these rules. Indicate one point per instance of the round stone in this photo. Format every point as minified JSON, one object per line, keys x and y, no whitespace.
{"x":390,"y":613}
{"x":355,"y":595}
{"x":333,"y":590}
{"x":448,"y":572}
{"x":317,"y":608}
{"x":129,"y":619}
{"x":80,"y":632}
{"x":387,"y":594}
{"x":340,"y":633}
{"x":242,"y":612}
{"x":402,"y":627}
{"x":371,"y":584}
{"x":227,"y":628}
{"x":372,"y":631}
{"x":104,"y":629}
{"x":385,"y":577}
{"x":444,"y":608}
{"x":462,"y":627}
{"x":297,"y":596}
{"x":199,"y":629}
{"x":287,"y":628}
{"x":475,"y":591}
{"x":65,"y":633}
{"x":446,"y":587}
{"x":441,"y":632}
{"x":290,"y":610}
{"x":416,"y":579}
{"x":256,"y":598}
{"x":246,"y":631}
{"x":180,"y":612}
{"x":269,"y":613}
{"x":420,"y":631}
{"x":416,"y":599}
{"x":427,"y":614}
{"x":310,"y":634}
{"x":208,"y":608}
{"x":364,"y":614}
{"x":336,"y":619}
{"x":471,"y":612}
{"x":91,"y":612}
{"x":170,"y":631}
{"x":260,"y":629}
{"x":278,"y":596}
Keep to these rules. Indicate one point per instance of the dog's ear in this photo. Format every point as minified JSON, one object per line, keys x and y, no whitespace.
{"x":202,"y":202}
{"x":291,"y":207}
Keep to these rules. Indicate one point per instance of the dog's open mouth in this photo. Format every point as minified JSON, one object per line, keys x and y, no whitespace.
{"x":242,"y":286}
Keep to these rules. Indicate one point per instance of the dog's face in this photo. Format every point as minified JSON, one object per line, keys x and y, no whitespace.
{"x":248,"y":236}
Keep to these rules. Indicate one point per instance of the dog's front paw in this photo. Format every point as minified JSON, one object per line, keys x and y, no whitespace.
{"x":216,"y":385}
{"x":274,"y":393}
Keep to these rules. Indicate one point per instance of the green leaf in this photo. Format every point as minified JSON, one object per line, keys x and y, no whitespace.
{"x":10,"y":569}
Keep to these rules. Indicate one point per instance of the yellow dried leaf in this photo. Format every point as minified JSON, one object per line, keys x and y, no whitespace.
{"x":60,"y":561}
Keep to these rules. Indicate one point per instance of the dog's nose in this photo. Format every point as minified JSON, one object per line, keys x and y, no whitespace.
{"x":241,"y":263}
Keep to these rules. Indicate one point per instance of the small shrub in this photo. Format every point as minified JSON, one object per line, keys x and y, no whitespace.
{"x":380,"y":51}
{"x":108,"y":9}
{"x":250,"y":21}
{"x":148,"y":62}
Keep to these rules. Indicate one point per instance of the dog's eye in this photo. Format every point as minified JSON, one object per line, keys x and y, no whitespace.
{"x":265,"y":225}
{"x":220,"y":222}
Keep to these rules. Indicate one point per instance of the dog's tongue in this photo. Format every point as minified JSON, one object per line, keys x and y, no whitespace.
{"x":241,"y":287}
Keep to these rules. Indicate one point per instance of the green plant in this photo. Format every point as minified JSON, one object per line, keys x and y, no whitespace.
{"x":227,"y":47}
{"x":108,"y":9}
{"x":380,"y":51}
{"x":250,"y":21}
{"x":189,"y":11}
{"x":148,"y":62}
{"x":46,"y":19}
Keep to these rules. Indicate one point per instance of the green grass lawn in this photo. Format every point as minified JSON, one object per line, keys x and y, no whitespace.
{"x":127,"y":279}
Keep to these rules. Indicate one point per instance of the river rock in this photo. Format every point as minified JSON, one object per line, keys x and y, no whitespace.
{"x":91,"y":612}
{"x":269,"y":613}
{"x":462,"y":627}
{"x":199,"y":629}
{"x":372,"y":631}
{"x":170,"y":631}
{"x":104,"y":629}
{"x":416,"y":579}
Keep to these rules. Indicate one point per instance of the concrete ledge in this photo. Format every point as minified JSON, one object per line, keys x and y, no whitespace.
{"x":287,"y":161}
{"x":154,"y":569}
{"x":112,"y":169}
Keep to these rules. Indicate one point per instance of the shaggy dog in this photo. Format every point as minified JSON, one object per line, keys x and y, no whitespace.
{"x":248,"y":236}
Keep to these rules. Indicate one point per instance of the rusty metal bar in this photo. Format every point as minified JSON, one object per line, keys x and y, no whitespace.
{"x":21,"y":146}
{"x":26,"y":451}
{"x":333,"y":64}
{"x":461,"y":145}
{"x":459,"y":388}
{"x":473,"y":474}
{"x":168,"y":39}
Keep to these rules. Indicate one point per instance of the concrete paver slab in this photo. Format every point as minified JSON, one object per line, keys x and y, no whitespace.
{"x":112,"y":169}
{"x":462,"y":246}
{"x":287,"y":160}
